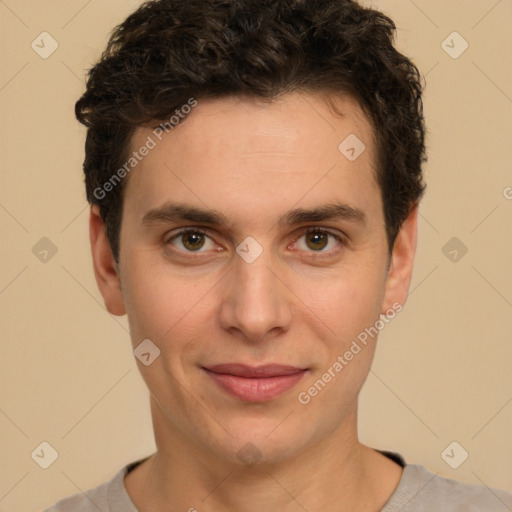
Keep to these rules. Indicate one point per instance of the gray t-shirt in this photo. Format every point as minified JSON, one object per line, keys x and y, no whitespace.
{"x":418,"y":491}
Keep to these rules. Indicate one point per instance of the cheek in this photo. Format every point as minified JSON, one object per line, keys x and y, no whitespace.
{"x":164,"y":305}
{"x":344,"y":303}
{"x":346,"y":313}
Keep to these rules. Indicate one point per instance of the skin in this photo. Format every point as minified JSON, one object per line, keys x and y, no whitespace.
{"x":300,"y":303}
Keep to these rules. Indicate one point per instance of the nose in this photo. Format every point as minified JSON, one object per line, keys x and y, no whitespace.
{"x":256,"y":303}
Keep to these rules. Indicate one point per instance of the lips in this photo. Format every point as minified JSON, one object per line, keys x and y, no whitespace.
{"x":255,"y":383}
{"x":242,"y":370}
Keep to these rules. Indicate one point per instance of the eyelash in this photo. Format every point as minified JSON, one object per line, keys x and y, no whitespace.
{"x":305,"y":231}
{"x":186,"y":231}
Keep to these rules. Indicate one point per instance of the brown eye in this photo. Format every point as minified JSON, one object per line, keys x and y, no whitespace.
{"x":317,"y":241}
{"x":192,"y":241}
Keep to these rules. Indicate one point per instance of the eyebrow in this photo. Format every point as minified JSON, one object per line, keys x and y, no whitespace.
{"x":172,"y":212}
{"x":333,"y":211}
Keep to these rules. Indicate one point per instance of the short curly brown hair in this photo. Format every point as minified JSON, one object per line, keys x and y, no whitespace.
{"x":168,"y":51}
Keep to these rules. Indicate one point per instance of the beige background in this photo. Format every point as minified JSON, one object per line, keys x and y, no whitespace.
{"x":67,"y":374}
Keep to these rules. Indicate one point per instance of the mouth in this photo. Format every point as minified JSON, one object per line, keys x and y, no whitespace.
{"x":255,"y":383}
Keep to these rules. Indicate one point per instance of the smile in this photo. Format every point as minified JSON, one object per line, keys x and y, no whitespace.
{"x":255,"y":384}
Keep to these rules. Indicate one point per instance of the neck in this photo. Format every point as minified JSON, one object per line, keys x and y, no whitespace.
{"x":336,"y":474}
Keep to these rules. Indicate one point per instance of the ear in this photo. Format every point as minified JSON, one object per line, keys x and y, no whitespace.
{"x":105,"y":267}
{"x":401,"y":263}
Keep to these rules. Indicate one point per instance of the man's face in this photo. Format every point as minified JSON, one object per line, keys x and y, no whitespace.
{"x":289,"y":266}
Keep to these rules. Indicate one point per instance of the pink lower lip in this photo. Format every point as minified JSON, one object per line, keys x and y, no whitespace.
{"x":258,"y":389}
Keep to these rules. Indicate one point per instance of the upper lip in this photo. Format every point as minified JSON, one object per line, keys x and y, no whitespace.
{"x":243,"y":370}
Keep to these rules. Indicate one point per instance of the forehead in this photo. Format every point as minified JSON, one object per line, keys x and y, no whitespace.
{"x":254,"y":124}
{"x":298,"y":146}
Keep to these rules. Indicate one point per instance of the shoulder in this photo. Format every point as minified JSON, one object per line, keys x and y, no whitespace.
{"x":420,"y":490}
{"x":110,"y":496}
{"x":90,"y":501}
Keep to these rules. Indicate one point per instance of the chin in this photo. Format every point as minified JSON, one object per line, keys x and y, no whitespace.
{"x":259,"y":442}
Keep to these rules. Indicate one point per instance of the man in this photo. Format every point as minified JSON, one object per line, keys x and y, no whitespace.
{"x":254,"y":170}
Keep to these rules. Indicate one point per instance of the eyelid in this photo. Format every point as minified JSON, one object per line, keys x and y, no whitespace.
{"x":318,"y":229}
{"x":340,"y":238}
{"x":183,"y":231}
{"x":323,"y":254}
{"x":191,"y":229}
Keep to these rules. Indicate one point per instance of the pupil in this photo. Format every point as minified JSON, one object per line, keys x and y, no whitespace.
{"x":193,"y":241}
{"x":318,"y":240}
